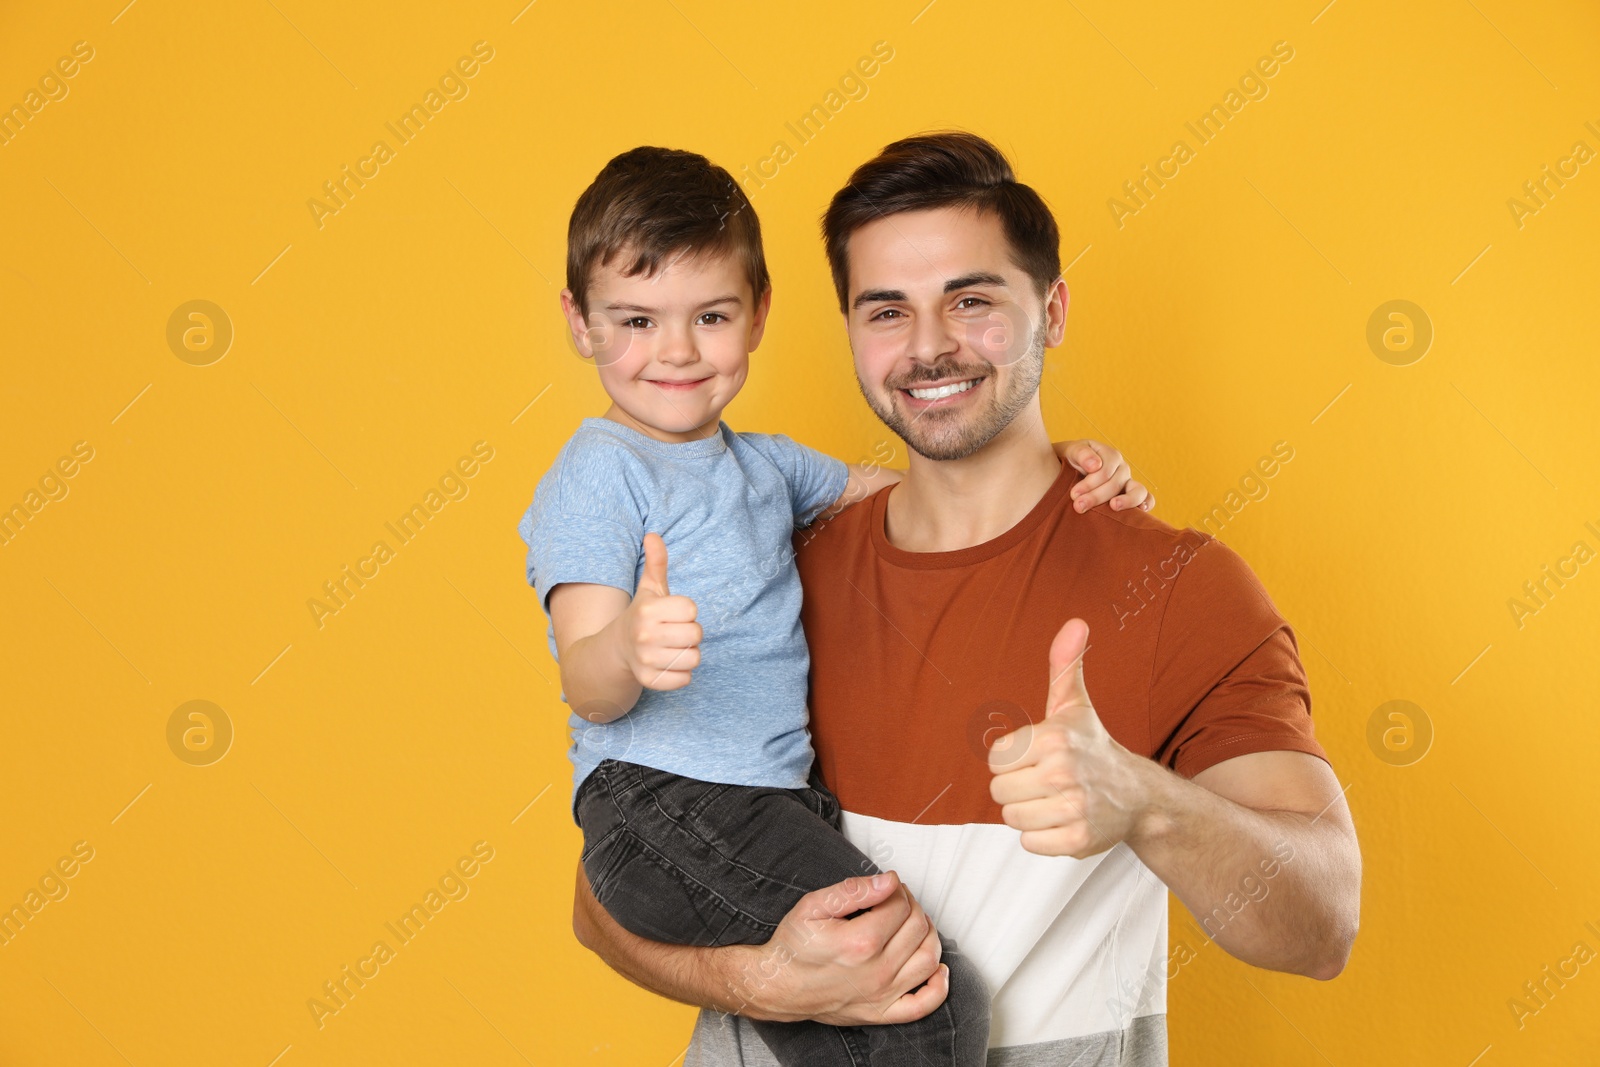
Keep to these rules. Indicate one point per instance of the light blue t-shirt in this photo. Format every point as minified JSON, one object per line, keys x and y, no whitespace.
{"x":727,"y":507}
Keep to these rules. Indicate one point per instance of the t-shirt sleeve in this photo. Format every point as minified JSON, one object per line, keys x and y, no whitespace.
{"x":583,"y":526}
{"x":1227,"y":679}
{"x":815,"y":480}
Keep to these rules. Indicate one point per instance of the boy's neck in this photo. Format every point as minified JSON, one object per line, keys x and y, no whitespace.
{"x":671,"y":437}
{"x":948,"y":505}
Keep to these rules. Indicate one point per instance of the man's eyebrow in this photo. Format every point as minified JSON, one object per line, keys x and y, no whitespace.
{"x":876,"y":296}
{"x":981,"y":277}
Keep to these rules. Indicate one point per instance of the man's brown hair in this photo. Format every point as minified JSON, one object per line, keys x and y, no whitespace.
{"x":946,"y":169}
{"x":653,"y":205}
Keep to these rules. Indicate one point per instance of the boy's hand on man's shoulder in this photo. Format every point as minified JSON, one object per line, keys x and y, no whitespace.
{"x":1106,"y":477}
{"x":662,"y":638}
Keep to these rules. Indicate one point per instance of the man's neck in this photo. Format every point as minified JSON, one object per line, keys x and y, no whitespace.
{"x":947,"y":505}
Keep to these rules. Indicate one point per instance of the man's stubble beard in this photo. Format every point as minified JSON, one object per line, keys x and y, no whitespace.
{"x":945,"y":435}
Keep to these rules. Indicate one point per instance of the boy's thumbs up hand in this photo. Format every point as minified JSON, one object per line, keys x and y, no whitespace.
{"x":1064,"y":781}
{"x":662,"y":643}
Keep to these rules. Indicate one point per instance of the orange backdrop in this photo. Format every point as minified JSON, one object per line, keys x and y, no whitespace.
{"x":377,"y":331}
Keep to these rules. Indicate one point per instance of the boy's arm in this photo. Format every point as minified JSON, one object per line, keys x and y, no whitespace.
{"x":612,"y":647}
{"x":1107,"y":477}
{"x":862,"y":481}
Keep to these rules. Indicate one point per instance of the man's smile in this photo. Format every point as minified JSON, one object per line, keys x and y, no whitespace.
{"x":940,"y":393}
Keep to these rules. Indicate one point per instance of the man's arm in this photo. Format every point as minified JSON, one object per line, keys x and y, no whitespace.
{"x":1264,"y":838}
{"x":1262,"y":851}
{"x":821,"y":964}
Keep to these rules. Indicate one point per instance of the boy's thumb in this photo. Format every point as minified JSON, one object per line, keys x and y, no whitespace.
{"x":655,"y":566}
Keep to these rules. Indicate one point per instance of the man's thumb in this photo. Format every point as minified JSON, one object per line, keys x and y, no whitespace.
{"x":655,"y":566}
{"x":844,"y":899}
{"x":1066,"y":667}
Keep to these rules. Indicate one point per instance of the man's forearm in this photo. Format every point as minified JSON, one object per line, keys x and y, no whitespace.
{"x":858,"y":953}
{"x":1277,"y":889}
{"x":685,"y":973}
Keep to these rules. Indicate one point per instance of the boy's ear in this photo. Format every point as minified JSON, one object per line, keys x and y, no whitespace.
{"x":758,"y":322}
{"x":576,"y":324}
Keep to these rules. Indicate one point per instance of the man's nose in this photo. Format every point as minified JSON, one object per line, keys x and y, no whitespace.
{"x":932,"y":339}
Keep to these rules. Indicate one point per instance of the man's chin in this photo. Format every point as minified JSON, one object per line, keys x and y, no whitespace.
{"x":942,"y":438}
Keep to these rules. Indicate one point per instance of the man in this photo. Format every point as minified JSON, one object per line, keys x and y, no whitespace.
{"x":1036,"y":796}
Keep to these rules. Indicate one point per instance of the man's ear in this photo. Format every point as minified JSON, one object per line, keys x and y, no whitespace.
{"x":758,"y":321}
{"x":576,"y":324}
{"x":1055,"y":313}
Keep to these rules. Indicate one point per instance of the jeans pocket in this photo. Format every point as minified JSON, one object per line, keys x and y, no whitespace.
{"x":706,"y":798}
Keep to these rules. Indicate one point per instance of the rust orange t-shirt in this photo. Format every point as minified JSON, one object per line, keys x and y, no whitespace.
{"x":920,"y":660}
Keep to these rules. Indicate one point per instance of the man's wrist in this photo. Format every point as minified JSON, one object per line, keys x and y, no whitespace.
{"x":745,"y":976}
{"x":1159,"y":807}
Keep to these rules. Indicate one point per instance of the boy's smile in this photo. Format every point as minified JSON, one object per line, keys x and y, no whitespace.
{"x":672,"y":348}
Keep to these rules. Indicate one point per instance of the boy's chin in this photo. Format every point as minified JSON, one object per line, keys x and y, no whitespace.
{"x":672,"y":421}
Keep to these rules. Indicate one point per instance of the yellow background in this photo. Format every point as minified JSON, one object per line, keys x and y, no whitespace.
{"x":370,"y":353}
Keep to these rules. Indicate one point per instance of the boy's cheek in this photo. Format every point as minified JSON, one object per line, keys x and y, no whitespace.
{"x":731,"y":357}
{"x":614,"y":346}
{"x":620,"y":365}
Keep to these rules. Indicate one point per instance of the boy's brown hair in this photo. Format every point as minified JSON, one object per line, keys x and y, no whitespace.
{"x":654,"y":204}
{"x":946,"y":169}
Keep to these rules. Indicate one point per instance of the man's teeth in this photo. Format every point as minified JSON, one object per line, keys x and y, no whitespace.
{"x":943,"y":390}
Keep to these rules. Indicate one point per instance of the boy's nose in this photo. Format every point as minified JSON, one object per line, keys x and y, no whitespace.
{"x":678,"y":351}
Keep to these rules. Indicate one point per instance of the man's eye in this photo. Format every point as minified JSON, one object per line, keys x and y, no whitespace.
{"x":971,"y":302}
{"x":886,"y":313}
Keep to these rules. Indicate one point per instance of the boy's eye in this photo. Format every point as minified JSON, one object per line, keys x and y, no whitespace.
{"x":711,"y":318}
{"x":638,"y":322}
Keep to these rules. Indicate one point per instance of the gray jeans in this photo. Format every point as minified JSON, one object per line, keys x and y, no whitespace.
{"x":700,"y":863}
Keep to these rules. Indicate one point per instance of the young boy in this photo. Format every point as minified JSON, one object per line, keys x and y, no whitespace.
{"x":693,"y":785}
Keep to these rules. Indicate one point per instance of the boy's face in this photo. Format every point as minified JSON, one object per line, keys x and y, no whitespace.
{"x":948,"y":332}
{"x":672,"y":348}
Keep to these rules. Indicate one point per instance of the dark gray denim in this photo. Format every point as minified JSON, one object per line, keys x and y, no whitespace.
{"x":699,"y":863}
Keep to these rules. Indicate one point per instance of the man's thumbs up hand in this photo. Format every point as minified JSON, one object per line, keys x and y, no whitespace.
{"x":662,"y":643}
{"x":1064,"y":781}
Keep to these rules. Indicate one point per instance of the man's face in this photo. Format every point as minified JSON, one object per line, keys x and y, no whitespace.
{"x":948,"y":332}
{"x":672,"y":348}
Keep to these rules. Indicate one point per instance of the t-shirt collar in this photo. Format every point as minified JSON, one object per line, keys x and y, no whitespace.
{"x":1054,"y":501}
{"x":705,"y":446}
